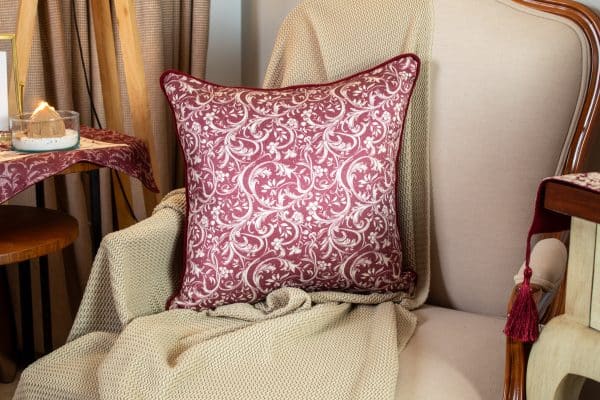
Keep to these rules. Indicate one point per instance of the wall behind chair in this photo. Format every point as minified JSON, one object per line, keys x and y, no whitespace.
{"x":223,"y":59}
{"x":241,"y":36}
{"x":593,"y":4}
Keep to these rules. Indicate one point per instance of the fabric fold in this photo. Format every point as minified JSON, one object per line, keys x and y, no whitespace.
{"x":289,"y":346}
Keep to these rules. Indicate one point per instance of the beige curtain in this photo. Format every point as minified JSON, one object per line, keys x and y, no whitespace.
{"x":174,"y":34}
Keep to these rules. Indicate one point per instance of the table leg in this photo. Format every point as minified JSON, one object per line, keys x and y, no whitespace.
{"x":113,"y":203}
{"x":40,"y":201}
{"x":46,"y":304}
{"x":8,"y":367}
{"x":40,"y":198}
{"x":26,"y":311}
{"x":96,"y":213}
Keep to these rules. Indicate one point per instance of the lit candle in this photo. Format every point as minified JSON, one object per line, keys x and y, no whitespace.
{"x":46,"y":122}
{"x":45,"y":129}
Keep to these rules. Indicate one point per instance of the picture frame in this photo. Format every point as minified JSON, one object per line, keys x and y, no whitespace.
{"x":8,"y":44}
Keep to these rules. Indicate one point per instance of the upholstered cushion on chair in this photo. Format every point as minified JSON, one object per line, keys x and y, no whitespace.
{"x":453,"y":355}
{"x":292,"y":187}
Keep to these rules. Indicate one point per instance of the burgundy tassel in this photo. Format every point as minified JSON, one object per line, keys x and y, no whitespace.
{"x":523,"y":319}
{"x":522,"y":323}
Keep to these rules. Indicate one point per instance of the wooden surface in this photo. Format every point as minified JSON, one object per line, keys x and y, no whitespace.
{"x":107,"y":61}
{"x":80,"y":167}
{"x":573,"y":201}
{"x":29,"y":232}
{"x":26,"y":18}
{"x":8,"y":366}
{"x":515,"y":367}
{"x":135,"y":79}
{"x":111,"y":95}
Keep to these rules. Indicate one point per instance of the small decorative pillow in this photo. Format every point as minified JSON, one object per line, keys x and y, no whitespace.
{"x":291,"y":187}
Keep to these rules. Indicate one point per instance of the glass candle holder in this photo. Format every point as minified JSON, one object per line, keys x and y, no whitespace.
{"x":33,"y":136}
{"x":5,"y":139}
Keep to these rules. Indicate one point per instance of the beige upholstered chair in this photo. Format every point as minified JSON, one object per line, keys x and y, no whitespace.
{"x":513,"y":98}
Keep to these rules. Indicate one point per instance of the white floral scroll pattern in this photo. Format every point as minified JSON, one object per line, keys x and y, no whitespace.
{"x":291,"y":187}
{"x":587,"y":180}
{"x":133,"y":159}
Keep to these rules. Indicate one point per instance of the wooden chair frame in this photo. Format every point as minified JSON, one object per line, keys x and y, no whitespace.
{"x":135,"y":80}
{"x":578,"y":152}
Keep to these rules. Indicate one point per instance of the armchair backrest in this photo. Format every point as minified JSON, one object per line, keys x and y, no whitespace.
{"x":513,"y":99}
{"x":508,"y":89}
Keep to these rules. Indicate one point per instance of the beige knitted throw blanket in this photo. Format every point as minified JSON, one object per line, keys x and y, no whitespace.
{"x":294,"y":345}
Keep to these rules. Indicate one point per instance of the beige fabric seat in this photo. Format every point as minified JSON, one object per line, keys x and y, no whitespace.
{"x":453,"y":355}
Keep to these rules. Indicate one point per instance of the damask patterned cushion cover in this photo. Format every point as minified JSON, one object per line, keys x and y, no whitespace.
{"x":291,"y":187}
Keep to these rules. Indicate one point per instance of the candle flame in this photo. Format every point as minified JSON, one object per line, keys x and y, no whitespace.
{"x":42,"y":106}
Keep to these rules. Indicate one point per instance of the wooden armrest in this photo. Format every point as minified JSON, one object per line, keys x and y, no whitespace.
{"x":573,"y":201}
{"x":515,"y":366}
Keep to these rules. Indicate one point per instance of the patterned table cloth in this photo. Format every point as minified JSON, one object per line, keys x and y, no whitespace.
{"x":102,"y":147}
{"x":585,"y":180}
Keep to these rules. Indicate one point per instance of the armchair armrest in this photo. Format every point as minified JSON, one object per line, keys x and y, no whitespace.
{"x":134,"y":272}
{"x":567,"y":351}
{"x":579,"y":203}
{"x":573,"y":201}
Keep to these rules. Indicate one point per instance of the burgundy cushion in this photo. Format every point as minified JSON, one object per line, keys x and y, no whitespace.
{"x":291,"y":187}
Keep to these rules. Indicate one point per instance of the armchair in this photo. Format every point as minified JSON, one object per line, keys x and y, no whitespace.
{"x":513,"y":98}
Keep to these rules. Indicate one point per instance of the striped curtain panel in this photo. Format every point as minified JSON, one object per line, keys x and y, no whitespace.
{"x":174,"y":34}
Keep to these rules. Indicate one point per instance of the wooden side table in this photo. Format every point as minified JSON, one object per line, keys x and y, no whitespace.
{"x":99,"y":148}
{"x":568,"y":349}
{"x":27,"y":233}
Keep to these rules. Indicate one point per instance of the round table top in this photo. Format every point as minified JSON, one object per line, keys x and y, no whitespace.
{"x":30,"y":232}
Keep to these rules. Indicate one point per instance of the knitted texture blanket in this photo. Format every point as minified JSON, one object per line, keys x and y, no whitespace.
{"x":292,"y":345}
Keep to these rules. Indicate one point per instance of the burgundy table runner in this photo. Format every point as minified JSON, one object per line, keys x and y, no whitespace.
{"x":130,"y":157}
{"x":522,"y":323}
